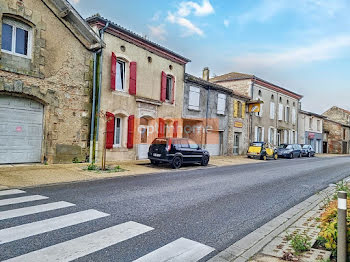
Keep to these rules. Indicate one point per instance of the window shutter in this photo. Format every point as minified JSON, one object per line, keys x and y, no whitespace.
{"x":275,"y":137}
{"x":131,"y":120}
{"x":163,"y":87}
{"x":193,"y":98}
{"x":293,"y":116}
{"x":173,"y":91}
{"x":285,"y":137}
{"x":280,"y":112}
{"x":109,"y":130}
{"x":256,"y":134}
{"x":235,"y":108}
{"x":176,"y":124}
{"x":161,"y":128}
{"x":132,"y":83}
{"x":272,"y":110}
{"x":243,"y":110}
{"x":261,"y":110}
{"x":263,"y":134}
{"x":296,"y":137}
{"x":269,"y":135}
{"x":113,"y":71}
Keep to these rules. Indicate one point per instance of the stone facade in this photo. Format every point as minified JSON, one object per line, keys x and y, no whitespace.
{"x":278,"y":120}
{"x":337,"y":130}
{"x":227,"y":134}
{"x":311,"y":130}
{"x":58,"y":75}
{"x":145,"y":106}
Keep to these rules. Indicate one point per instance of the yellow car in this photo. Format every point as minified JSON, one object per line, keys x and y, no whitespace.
{"x":262,"y":151}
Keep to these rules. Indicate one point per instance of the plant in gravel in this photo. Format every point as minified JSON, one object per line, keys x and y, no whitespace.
{"x":92,"y":166}
{"x":342,"y":186}
{"x":300,"y":244}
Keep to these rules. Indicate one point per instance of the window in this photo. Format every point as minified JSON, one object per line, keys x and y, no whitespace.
{"x":240,"y":112}
{"x":259,"y":93}
{"x":259,"y":134}
{"x":287,"y":114}
{"x":318,"y":125}
{"x":260,"y":114}
{"x":16,"y":38}
{"x":143,"y":130}
{"x":280,"y":112}
{"x":169,"y":88}
{"x":272,"y":97}
{"x":344,"y":134}
{"x":221,"y":106}
{"x":294,"y":116}
{"x":184,"y":143}
{"x":193,"y":98}
{"x":120,"y":81}
{"x":310,"y":123}
{"x":271,"y":137}
{"x":280,"y":99}
{"x":117,"y":132}
{"x":272,"y":110}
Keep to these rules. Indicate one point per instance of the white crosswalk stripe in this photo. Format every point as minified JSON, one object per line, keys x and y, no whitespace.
{"x":18,"y":200}
{"x":19,"y":212}
{"x":43,"y":226}
{"x":85,"y":245}
{"x":11,"y":192}
{"x":178,"y":251}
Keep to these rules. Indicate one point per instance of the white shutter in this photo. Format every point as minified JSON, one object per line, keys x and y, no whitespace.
{"x":290,"y":137}
{"x":193,"y":99}
{"x":261,"y":110}
{"x":285,"y":114}
{"x":263,"y":134}
{"x":280,"y":112}
{"x":296,"y":137}
{"x":221,"y":104}
{"x":256,"y":134}
{"x":293,"y":116}
{"x":275,"y":137}
{"x":272,"y":110}
{"x":269,"y":135}
{"x":285,"y":137}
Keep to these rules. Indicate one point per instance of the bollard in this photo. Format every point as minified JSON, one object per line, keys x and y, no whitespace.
{"x":342,"y":227}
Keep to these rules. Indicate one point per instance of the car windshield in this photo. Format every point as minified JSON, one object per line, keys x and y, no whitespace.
{"x":305,"y":147}
{"x":159,"y":141}
{"x":285,"y":146}
{"x":256,"y":144}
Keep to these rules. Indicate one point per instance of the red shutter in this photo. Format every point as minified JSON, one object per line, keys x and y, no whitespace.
{"x":163,"y":87}
{"x":132,"y":84}
{"x":176,"y":124}
{"x":173,"y":94}
{"x":113,"y":71}
{"x":109,"y":130}
{"x":161,"y":128}
{"x":131,"y":120}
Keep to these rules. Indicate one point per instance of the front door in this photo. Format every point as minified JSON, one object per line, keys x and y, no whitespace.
{"x":143,"y":146}
{"x":236,"y":143}
{"x":325,"y":146}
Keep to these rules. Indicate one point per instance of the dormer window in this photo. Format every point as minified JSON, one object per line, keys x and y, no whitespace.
{"x":16,"y":38}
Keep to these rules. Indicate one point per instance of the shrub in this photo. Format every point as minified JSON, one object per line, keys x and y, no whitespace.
{"x":92,"y":166}
{"x":300,"y":244}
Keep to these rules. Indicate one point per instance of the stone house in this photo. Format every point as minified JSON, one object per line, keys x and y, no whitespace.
{"x":337,"y":130}
{"x":311,"y":130}
{"x":219,"y":109}
{"x":45,"y":82}
{"x":277,"y":121}
{"x":141,"y":93}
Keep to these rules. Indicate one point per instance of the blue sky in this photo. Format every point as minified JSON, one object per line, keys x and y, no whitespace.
{"x":302,"y":45}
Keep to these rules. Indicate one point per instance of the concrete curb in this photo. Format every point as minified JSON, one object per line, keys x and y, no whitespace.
{"x":251,"y":244}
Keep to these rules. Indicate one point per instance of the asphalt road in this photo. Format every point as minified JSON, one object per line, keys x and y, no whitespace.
{"x":213,"y":206}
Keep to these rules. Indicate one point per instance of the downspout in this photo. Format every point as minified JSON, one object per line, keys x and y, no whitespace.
{"x":100,"y":84}
{"x":92,"y":127}
{"x":251,"y":114}
{"x":206,"y":119}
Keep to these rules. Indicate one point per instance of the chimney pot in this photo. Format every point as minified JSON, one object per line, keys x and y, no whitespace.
{"x":206,"y":73}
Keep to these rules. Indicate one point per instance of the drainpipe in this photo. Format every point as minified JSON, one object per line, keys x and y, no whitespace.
{"x":100,"y":85}
{"x":93,"y":113}
{"x":251,"y":114}
{"x":206,"y":119}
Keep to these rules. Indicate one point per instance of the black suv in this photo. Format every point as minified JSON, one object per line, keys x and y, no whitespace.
{"x":177,"y":151}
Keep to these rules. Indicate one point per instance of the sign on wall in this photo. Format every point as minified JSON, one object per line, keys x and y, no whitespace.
{"x":238,"y":124}
{"x":254,"y":108}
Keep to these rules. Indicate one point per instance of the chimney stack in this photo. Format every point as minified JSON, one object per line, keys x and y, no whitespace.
{"x":206,"y":73}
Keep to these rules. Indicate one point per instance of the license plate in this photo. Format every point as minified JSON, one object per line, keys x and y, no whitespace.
{"x":157,"y":155}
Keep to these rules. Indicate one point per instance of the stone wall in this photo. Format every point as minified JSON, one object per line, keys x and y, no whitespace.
{"x":58,"y":75}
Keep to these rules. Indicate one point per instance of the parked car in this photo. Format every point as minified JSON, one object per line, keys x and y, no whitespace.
{"x":177,"y":151}
{"x":307,"y":150}
{"x":289,"y":151}
{"x":262,"y":151}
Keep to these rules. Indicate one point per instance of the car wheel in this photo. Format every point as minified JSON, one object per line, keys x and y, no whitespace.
{"x":291,"y":156}
{"x":177,"y":162}
{"x":275,"y":156}
{"x":155,"y":162}
{"x":300,"y":155}
{"x":264,"y":158}
{"x":205,"y":161}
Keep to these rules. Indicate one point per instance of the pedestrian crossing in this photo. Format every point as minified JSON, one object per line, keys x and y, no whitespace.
{"x":180,"y":250}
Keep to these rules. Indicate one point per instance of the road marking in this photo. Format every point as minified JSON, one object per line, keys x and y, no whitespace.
{"x":85,"y":245}
{"x":33,"y":210}
{"x":11,"y":192}
{"x":180,"y":250}
{"x":43,"y":226}
{"x":18,"y":200}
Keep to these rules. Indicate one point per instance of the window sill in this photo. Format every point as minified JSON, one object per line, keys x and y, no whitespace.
{"x":15,"y":54}
{"x":120,"y":92}
{"x":194,"y":109}
{"x":221,"y":114}
{"x":118,"y":149}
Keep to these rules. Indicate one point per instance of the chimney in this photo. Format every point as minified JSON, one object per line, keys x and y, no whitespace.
{"x":206,"y":73}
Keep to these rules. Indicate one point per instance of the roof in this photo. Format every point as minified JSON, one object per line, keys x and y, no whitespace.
{"x":311,"y":114}
{"x":136,"y":39}
{"x":235,"y":76}
{"x":336,"y":122}
{"x":205,"y":84}
{"x":341,"y":109}
{"x":66,"y":13}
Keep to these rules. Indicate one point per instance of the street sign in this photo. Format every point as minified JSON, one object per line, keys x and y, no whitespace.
{"x":254,"y":108}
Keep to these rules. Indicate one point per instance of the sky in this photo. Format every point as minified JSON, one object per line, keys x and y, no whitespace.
{"x":301,"y":45}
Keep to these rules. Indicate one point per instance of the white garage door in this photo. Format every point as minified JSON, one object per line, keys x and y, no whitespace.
{"x":21,"y":129}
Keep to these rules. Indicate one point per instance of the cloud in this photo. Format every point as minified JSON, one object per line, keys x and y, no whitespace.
{"x":322,"y":50}
{"x":186,"y":8}
{"x":227,"y":23}
{"x":76,"y":1}
{"x":156,"y":16}
{"x":190,"y":28}
{"x":158,"y":32}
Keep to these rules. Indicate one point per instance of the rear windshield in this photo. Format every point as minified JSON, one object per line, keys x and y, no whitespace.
{"x":285,"y":146}
{"x":160,"y":141}
{"x":256,"y":144}
{"x":305,"y":146}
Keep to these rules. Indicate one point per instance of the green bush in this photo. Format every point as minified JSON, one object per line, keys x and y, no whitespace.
{"x":300,"y":244}
{"x":92,"y":166}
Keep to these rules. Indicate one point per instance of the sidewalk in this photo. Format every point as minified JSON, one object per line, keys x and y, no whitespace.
{"x":18,"y":176}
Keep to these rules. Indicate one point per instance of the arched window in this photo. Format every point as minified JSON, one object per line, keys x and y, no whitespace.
{"x":280,"y":99}
{"x":272,"y":97}
{"x":260,"y":93}
{"x":239,"y":109}
{"x":16,"y":38}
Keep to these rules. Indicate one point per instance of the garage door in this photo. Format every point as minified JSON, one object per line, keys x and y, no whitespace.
{"x":21,"y":129}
